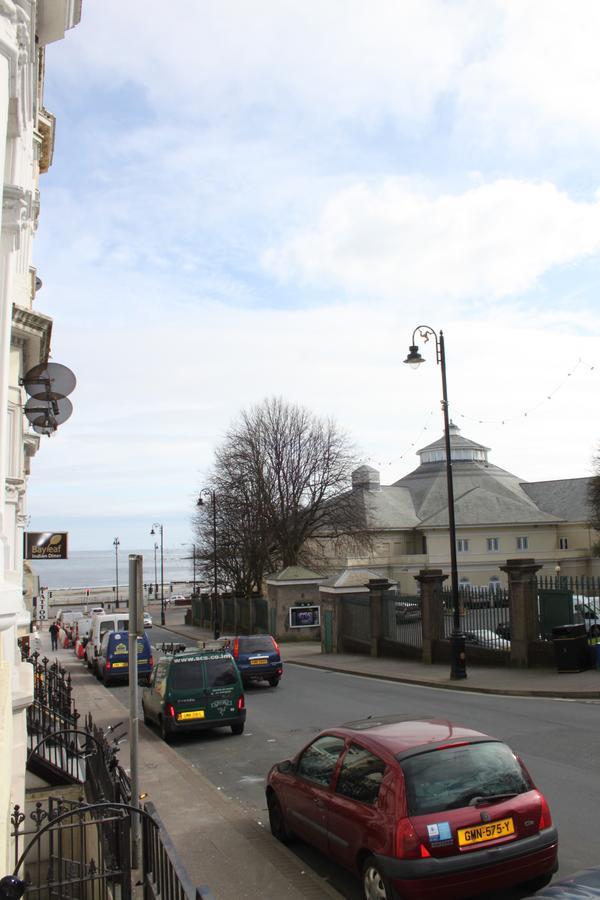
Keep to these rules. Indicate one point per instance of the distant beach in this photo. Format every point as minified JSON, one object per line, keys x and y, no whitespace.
{"x":97,"y":568}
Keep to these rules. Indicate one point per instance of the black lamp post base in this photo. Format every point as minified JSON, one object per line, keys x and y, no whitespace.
{"x":458,"y":660}
{"x":162,"y":616}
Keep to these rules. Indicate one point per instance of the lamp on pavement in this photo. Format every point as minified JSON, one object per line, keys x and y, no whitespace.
{"x":458,"y":666}
{"x":162,"y":572}
{"x":116,"y":544}
{"x":207,"y":492}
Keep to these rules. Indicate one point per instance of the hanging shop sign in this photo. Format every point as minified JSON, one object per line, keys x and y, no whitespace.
{"x":45,"y":545}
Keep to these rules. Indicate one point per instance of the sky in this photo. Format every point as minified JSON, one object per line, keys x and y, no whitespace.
{"x":265,"y":199}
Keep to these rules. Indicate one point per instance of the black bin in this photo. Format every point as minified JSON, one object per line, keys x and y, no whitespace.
{"x":570,"y":648}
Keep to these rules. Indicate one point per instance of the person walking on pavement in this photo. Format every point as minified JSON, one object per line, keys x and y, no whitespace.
{"x":54,"y":629}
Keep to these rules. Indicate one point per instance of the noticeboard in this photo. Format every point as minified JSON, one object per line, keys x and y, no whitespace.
{"x":45,"y":545}
{"x":305,"y":616}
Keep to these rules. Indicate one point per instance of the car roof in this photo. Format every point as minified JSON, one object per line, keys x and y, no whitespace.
{"x":399,"y":734}
{"x":199,"y":653}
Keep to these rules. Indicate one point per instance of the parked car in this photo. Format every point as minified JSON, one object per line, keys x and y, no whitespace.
{"x":112,"y":662}
{"x":195,"y":690}
{"x":174,"y":598}
{"x":485,"y":637}
{"x":581,"y":885}
{"x":421,"y":809}
{"x":503,"y":630}
{"x":257,"y":657}
{"x":147,"y":620}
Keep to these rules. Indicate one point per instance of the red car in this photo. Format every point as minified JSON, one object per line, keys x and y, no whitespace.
{"x":420,"y":808}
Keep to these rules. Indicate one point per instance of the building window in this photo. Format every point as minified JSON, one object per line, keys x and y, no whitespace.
{"x":424,"y":544}
{"x":462,"y":545}
{"x":563,"y":543}
{"x":494,"y":584}
{"x":493,"y":545}
{"x":522,"y":543}
{"x":464,"y":583}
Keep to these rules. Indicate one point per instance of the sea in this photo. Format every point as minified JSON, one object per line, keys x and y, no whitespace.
{"x":98,"y":568}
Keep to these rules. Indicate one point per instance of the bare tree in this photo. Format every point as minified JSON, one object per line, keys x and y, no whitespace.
{"x":283,"y":475}
{"x":594,"y":501}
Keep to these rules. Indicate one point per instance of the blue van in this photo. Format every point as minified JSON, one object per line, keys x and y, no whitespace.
{"x":113,"y":657}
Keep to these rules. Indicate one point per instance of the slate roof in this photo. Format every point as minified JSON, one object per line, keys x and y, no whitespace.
{"x":350,"y":578}
{"x":294,"y":573}
{"x":566,"y":498}
{"x":484,"y":494}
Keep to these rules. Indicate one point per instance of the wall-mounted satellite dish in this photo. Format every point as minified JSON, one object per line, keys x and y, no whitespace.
{"x":46,"y":415}
{"x":49,"y":381}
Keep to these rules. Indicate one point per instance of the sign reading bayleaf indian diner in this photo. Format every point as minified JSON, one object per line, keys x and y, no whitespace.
{"x":45,"y":545}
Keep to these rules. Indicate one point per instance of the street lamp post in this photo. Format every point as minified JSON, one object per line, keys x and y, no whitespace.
{"x":116,"y":544}
{"x":458,"y":666}
{"x":206,"y":492}
{"x":162,"y":572}
{"x":155,"y":572}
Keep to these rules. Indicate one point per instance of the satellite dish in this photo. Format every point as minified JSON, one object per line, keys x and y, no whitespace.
{"x":46,"y":415}
{"x":49,"y":381}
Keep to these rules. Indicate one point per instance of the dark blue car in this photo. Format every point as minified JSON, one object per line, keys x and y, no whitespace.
{"x":257,"y":657}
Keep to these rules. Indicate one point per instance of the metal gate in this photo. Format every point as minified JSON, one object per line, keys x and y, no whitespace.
{"x":356,"y":624}
{"x":73,"y":850}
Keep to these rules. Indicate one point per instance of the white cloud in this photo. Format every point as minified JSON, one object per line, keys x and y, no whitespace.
{"x":490,"y":242}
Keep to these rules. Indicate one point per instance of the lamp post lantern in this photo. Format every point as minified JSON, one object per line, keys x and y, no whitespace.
{"x":458,"y":666}
{"x":162,"y":572}
{"x":207,"y":492}
{"x":116,"y":544}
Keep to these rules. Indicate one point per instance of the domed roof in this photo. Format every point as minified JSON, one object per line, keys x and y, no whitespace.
{"x":461,"y":448}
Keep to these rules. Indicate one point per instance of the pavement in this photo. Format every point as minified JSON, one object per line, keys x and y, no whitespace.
{"x":221,"y":844}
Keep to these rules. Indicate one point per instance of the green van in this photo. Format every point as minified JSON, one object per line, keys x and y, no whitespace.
{"x":195,"y":690}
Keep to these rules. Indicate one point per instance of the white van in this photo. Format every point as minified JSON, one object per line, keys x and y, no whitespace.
{"x":115,"y":621}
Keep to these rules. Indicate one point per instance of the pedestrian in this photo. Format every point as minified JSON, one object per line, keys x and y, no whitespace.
{"x":54,"y":629}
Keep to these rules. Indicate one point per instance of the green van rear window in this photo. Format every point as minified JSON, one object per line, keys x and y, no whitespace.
{"x":186,"y":675}
{"x":220,"y":672}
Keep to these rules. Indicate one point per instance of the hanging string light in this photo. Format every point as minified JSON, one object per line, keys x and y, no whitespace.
{"x":523,"y":414}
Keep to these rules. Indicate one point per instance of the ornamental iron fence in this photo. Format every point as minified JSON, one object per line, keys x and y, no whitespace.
{"x":484,"y":616}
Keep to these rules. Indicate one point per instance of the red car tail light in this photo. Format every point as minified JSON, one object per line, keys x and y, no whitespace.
{"x":275,"y":647}
{"x":545,"y":817}
{"x":408,"y":845}
{"x":151,"y":661}
{"x":107,"y":666}
{"x":170,"y":711}
{"x":240,"y":703}
{"x":236,"y":649}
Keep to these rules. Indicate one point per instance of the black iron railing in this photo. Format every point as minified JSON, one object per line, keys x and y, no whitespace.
{"x":71,"y":850}
{"x":485,"y":616}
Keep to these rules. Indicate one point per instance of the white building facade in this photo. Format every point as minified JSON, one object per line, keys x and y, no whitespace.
{"x":26,"y":145}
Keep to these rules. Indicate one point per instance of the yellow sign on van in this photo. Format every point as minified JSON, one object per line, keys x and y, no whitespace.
{"x":120,"y":648}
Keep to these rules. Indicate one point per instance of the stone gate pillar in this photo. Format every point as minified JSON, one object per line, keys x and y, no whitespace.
{"x":522,"y":585}
{"x":432,"y":609}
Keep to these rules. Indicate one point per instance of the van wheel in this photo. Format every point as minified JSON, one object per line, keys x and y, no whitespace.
{"x":105,"y":681}
{"x":375,"y":885}
{"x":164,"y":731}
{"x":238,"y":728}
{"x":274,"y":681}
